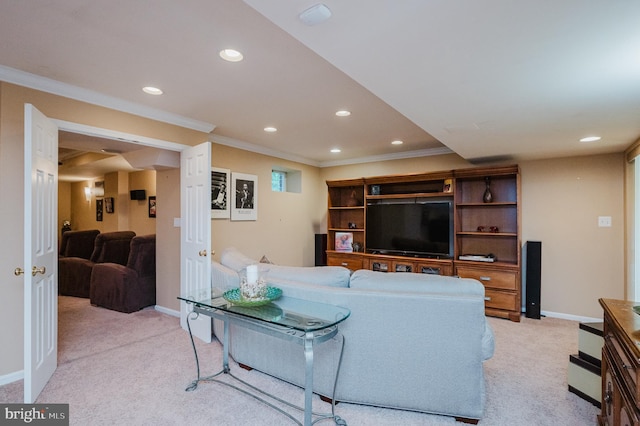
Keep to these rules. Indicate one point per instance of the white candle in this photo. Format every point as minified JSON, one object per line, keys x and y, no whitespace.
{"x":252,"y":274}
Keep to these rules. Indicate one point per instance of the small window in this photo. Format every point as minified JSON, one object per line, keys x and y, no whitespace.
{"x":286,"y":180}
{"x":278,"y":181}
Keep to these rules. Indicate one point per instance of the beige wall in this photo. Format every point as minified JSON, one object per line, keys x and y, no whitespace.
{"x":139,"y":220}
{"x":287,"y":222}
{"x":12,"y":100}
{"x":128,"y":215}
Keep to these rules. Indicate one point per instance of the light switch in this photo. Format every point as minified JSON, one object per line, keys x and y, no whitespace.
{"x":604,"y":221}
{"x":176,"y":222}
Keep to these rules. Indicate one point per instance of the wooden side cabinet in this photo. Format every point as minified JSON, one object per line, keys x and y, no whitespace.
{"x":620,"y":364}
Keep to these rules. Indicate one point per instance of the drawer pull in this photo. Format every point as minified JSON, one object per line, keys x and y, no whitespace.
{"x":627,"y":367}
{"x":344,"y":264}
{"x":484,"y":278}
{"x":487,"y":298}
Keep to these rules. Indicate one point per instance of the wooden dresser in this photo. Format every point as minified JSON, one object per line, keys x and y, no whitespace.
{"x":620,"y":364}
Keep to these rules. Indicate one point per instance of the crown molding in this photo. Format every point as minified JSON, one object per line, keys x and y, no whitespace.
{"x":246,"y":146}
{"x":431,"y":152}
{"x":33,"y":81}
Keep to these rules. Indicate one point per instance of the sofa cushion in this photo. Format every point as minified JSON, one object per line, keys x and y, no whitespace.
{"x":332,"y":276}
{"x":398,"y":281}
{"x":232,"y":258}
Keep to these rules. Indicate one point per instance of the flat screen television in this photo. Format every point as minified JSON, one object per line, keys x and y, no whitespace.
{"x":411,"y":228}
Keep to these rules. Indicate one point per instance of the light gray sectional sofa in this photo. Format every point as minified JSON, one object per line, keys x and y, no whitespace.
{"x":413,"y":342}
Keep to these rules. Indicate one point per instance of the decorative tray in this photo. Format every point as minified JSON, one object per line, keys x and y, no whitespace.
{"x":234,"y":297}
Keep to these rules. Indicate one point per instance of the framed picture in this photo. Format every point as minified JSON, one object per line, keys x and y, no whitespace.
{"x":245,"y":196}
{"x":220,"y":193}
{"x":108,"y":204}
{"x":152,"y":206}
{"x":99,"y":210}
{"x":344,"y":241}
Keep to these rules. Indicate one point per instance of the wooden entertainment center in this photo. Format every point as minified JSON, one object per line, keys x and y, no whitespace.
{"x":486,"y":221}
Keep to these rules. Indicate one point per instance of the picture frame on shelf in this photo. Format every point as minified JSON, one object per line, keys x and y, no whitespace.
{"x":344,"y":242}
{"x":152,"y":206}
{"x":220,"y":205}
{"x":244,"y":188}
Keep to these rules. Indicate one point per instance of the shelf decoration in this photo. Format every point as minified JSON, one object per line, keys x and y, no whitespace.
{"x":344,"y":242}
{"x":488,"y":196}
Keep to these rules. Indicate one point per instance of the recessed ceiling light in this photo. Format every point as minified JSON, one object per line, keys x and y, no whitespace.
{"x":397,"y":142}
{"x":231,"y":55}
{"x":590,"y":139}
{"x":343,"y":113}
{"x":152,"y":90}
{"x":270,"y":129}
{"x":336,"y":150}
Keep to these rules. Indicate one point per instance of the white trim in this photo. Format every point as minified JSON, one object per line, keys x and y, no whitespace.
{"x":83,"y":129}
{"x":386,"y":157}
{"x":570,"y":317}
{"x":247,"y":146}
{"x":167,"y":311}
{"x":11,"y":377}
{"x":33,"y":81}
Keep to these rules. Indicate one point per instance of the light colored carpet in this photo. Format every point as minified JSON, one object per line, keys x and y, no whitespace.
{"x":132,"y":369}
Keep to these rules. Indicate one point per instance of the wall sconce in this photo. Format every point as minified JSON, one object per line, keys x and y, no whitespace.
{"x":87,"y":193}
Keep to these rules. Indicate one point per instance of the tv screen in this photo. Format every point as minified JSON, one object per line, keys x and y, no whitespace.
{"x":411,"y":228}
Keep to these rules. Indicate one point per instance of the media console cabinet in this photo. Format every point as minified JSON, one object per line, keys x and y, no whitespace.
{"x":482,"y":225}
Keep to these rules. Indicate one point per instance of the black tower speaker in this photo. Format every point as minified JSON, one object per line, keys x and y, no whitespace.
{"x":533,"y":253}
{"x":321,"y":249}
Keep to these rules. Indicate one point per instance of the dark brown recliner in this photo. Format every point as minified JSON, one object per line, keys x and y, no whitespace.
{"x":127,"y":288}
{"x":74,"y":273}
{"x":78,"y":243}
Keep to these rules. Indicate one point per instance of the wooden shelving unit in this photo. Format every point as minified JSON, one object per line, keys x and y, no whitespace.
{"x":480,"y":228}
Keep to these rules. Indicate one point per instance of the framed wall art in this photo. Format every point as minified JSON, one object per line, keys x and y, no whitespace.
{"x":244,"y":197}
{"x":220,"y":193}
{"x":99,"y":204}
{"x":108,"y":204}
{"x":152,"y":206}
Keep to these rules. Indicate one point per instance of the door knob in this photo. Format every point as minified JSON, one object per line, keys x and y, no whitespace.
{"x":40,"y":270}
{"x":18,"y":271}
{"x":202,"y":253}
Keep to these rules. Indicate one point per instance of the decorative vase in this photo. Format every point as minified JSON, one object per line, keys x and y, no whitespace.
{"x":488,"y":196}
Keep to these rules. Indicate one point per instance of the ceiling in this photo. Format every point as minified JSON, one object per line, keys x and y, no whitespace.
{"x":489,"y":79}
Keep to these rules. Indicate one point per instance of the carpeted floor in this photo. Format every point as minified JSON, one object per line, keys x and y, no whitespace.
{"x":133,"y":369}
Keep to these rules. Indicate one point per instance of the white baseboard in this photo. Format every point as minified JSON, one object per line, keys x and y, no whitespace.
{"x":168,"y":311}
{"x":11,"y":377}
{"x":569,"y":317}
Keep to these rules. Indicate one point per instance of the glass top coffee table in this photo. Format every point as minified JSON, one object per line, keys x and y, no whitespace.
{"x":302,"y":321}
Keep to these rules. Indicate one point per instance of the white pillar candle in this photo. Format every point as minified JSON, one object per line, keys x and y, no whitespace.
{"x":252,"y":274}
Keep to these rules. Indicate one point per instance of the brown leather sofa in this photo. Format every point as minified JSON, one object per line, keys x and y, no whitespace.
{"x":131,"y":287}
{"x":74,"y":273}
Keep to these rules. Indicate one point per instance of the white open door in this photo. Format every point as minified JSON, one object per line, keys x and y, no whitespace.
{"x":195,"y":211}
{"x":40,"y":251}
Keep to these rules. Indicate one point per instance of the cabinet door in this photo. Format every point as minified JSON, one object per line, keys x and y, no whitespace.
{"x":353,"y":262}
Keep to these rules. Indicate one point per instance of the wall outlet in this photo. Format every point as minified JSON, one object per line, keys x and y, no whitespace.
{"x":604,"y":221}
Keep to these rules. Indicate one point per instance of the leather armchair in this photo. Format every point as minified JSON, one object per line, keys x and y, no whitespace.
{"x":74,"y":273}
{"x":78,"y":243}
{"x":127,"y":288}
